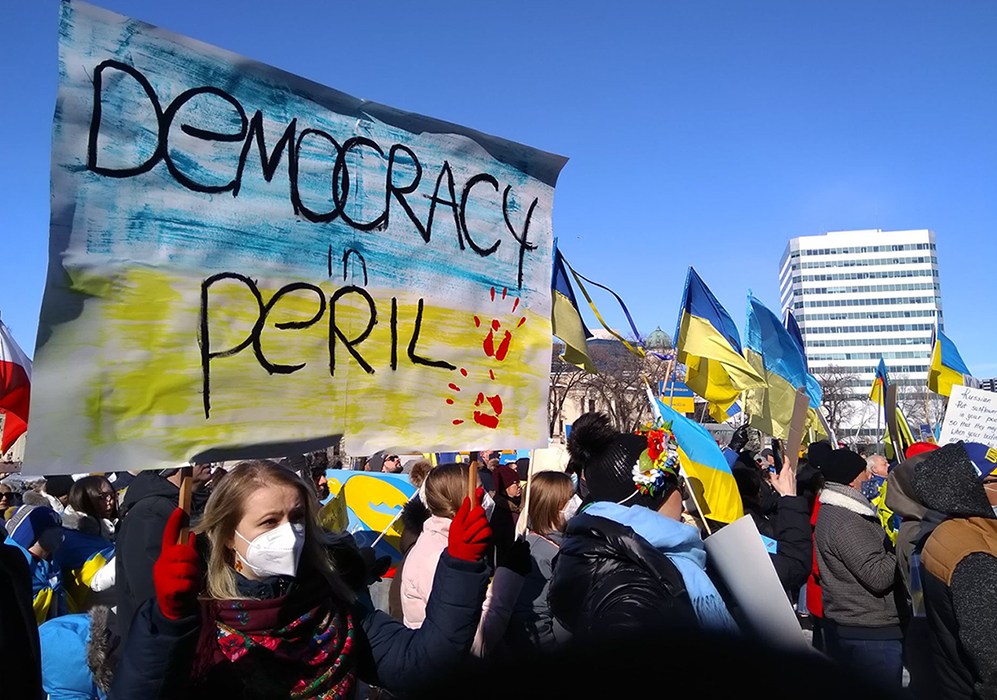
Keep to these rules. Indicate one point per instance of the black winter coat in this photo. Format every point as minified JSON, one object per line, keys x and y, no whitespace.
{"x":156,"y":664}
{"x":789,"y":526}
{"x":610,"y":581}
{"x":149,"y":502}
{"x":20,"y":655}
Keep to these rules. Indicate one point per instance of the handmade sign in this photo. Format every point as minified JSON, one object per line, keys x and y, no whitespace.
{"x":245,"y":263}
{"x":365,"y":504}
{"x":971,"y":416}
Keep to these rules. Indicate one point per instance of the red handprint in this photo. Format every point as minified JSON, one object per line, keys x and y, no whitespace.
{"x":496,"y":344}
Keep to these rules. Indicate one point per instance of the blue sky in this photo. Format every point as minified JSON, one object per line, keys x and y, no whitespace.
{"x":703,"y":133}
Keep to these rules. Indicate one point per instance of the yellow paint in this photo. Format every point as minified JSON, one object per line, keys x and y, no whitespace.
{"x":148,"y":385}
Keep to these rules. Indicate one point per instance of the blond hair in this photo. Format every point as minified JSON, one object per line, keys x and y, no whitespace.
{"x":549,"y":494}
{"x":446,"y":489}
{"x":225,"y":510}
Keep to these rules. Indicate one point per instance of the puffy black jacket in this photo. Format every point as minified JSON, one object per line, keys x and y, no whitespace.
{"x":20,"y":656}
{"x":149,"y":501}
{"x":789,"y":526}
{"x":610,"y":581}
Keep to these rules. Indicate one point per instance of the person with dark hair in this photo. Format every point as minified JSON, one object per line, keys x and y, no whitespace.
{"x":86,"y":557}
{"x":861,"y":624}
{"x":812,"y":480}
{"x":627,"y":563}
{"x":95,"y":497}
{"x":952,"y":639}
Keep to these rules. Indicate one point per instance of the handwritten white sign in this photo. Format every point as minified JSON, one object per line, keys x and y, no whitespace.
{"x":971,"y":417}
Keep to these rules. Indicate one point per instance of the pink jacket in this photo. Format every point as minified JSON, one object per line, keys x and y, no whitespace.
{"x":417,"y":584}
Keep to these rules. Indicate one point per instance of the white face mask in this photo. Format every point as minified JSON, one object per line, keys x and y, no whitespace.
{"x":569,"y":511}
{"x":488,"y":504}
{"x":275,"y":552}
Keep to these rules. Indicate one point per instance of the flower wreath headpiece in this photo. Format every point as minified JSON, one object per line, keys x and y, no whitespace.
{"x":659,"y":461}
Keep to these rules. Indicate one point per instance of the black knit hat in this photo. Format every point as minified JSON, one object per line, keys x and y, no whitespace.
{"x":818,"y":451}
{"x":841,"y":466}
{"x":59,"y":485}
{"x":606,"y":458}
{"x":946,"y":481}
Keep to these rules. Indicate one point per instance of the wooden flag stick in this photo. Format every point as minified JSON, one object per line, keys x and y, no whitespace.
{"x":472,"y":482}
{"x":524,"y":514}
{"x":670,"y":378}
{"x":891,"y":422}
{"x":186,"y":489}
{"x":691,"y":489}
{"x":800,"y":405}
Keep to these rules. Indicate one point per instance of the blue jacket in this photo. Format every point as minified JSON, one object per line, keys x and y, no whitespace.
{"x":48,"y":595}
{"x":158,"y":657}
{"x":65,"y":672}
{"x":80,"y":557}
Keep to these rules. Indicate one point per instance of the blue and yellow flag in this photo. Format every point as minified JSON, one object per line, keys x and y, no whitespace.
{"x":708,"y":344}
{"x":565,"y":318}
{"x":774,"y":354}
{"x":947,"y":368}
{"x":879,"y":384}
{"x":705,"y":466}
{"x":814,"y":390}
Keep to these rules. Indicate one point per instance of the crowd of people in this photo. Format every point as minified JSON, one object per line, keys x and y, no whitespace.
{"x":592,"y":583}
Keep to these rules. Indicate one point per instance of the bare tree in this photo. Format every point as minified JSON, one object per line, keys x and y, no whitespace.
{"x":619,"y":385}
{"x":920,"y":406}
{"x":840,"y":401}
{"x":564,"y":379}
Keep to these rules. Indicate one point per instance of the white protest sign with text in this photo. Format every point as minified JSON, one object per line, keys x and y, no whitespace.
{"x":245,"y":263}
{"x":971,"y":417}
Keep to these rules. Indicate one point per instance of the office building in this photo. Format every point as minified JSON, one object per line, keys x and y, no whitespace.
{"x":862,"y":295}
{"x":989,"y":384}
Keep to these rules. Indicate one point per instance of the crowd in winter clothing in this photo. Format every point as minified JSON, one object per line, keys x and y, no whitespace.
{"x":894,"y":565}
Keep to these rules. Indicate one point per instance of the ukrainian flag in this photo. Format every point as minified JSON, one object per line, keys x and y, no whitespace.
{"x":708,"y":344}
{"x":879,"y":384}
{"x":774,"y":354}
{"x":947,"y":368}
{"x":905,"y":436}
{"x":705,"y":466}
{"x":566,"y":320}
{"x":814,"y":390}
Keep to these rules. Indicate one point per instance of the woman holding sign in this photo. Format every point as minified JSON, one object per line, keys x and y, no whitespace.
{"x":280,"y":611}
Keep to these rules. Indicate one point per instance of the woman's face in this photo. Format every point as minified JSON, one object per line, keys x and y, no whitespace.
{"x":6,"y":500}
{"x":513,"y":490}
{"x":267,"y":508}
{"x":108,"y":502}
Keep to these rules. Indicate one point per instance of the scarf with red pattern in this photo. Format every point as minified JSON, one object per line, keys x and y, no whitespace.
{"x":296,"y":646}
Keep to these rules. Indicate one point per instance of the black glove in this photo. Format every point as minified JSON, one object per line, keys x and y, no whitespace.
{"x":739,"y":439}
{"x":517,"y":558}
{"x":374,"y":566}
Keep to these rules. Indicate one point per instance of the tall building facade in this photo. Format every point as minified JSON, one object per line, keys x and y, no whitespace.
{"x":862,"y":295}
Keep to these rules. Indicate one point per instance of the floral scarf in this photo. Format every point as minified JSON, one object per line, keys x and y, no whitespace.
{"x":299,"y":645}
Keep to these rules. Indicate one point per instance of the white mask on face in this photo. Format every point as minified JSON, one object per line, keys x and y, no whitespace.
{"x":571,"y":510}
{"x":488,"y":504}
{"x":275,"y":552}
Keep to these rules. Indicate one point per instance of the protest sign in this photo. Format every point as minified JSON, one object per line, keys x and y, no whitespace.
{"x":971,"y":416}
{"x":245,"y":263}
{"x":365,"y":504}
{"x":741,"y":558}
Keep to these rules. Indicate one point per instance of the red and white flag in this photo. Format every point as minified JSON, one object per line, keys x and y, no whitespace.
{"x":15,"y":389}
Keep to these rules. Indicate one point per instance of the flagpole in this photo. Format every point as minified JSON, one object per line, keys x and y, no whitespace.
{"x":879,"y":422}
{"x":669,"y":377}
{"x":692,"y":491}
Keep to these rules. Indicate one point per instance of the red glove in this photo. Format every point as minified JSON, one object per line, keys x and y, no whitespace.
{"x":176,"y":573}
{"x":469,"y":531}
